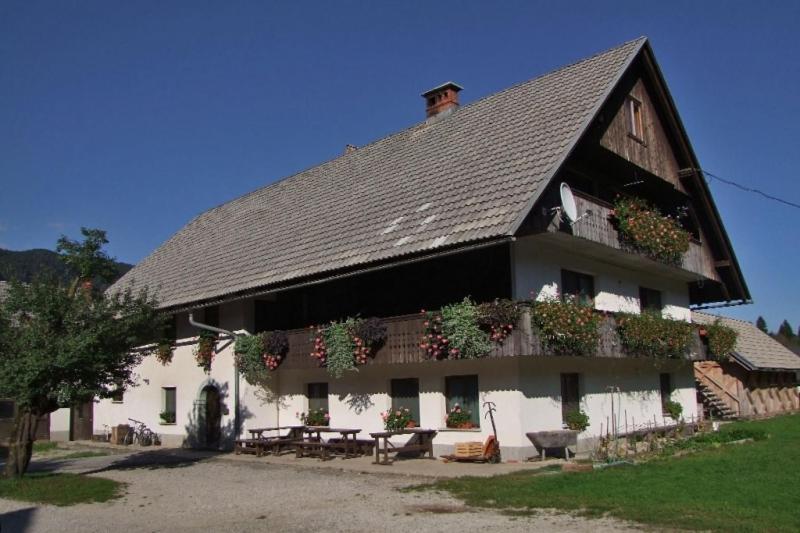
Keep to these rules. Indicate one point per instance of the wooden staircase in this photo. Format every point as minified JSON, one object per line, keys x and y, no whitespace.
{"x":714,"y":405}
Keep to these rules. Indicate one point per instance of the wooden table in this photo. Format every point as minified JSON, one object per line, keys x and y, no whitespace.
{"x":350,"y":446}
{"x":423,"y":438}
{"x":259,"y":444}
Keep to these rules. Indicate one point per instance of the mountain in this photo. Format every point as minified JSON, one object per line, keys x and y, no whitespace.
{"x":27,"y":264}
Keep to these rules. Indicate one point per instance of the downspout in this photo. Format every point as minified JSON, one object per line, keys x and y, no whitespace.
{"x":232,"y":335}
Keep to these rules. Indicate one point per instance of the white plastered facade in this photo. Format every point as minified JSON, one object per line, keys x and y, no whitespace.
{"x":526,"y":390}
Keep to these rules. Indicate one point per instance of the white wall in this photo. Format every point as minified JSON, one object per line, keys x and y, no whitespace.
{"x":59,"y":424}
{"x":526,"y":390}
{"x":538,"y":264}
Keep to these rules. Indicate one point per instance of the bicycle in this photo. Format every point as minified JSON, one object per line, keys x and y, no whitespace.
{"x":140,"y":434}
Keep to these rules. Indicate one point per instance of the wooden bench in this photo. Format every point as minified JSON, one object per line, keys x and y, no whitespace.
{"x":313,"y":448}
{"x":363,"y":446}
{"x":255,"y":446}
{"x":421,"y":442}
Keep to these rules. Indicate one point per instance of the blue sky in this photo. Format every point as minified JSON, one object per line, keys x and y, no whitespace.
{"x":136,"y":116}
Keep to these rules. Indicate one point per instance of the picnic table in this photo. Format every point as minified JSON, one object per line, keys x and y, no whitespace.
{"x":421,"y":441}
{"x":314,"y":445}
{"x":259,"y":444}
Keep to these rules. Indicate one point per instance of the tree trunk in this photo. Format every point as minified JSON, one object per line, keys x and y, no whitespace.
{"x":20,"y":444}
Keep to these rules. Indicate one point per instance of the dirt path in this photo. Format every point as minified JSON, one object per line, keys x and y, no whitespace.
{"x":180,"y":491}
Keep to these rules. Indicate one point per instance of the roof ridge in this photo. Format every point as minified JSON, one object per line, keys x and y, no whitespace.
{"x":425,"y":122}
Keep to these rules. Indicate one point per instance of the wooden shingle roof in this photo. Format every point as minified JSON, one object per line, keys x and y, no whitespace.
{"x":755,"y":350}
{"x":467,"y":177}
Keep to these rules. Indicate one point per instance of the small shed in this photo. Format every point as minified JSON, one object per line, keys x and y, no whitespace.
{"x":759,"y":379}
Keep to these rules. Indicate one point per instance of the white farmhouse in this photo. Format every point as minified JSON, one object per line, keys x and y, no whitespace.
{"x":468,"y":202}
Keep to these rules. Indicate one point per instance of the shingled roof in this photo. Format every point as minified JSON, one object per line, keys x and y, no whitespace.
{"x":755,"y":350}
{"x":467,"y":177}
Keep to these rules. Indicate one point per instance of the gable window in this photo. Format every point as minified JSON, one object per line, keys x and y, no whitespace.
{"x":169,"y":405}
{"x":463,"y":390}
{"x":570,"y":394}
{"x":635,"y":121}
{"x":405,"y":393}
{"x":650,"y":299}
{"x":318,"y":396}
{"x":666,"y":390}
{"x":580,"y":286}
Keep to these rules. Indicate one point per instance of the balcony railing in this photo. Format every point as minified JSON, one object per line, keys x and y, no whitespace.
{"x":405,"y":332}
{"x":597,"y":228}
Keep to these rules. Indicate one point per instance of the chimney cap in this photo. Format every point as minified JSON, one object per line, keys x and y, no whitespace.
{"x":446,"y":85}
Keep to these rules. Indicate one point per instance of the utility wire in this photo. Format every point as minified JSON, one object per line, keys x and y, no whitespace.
{"x":748,"y":189}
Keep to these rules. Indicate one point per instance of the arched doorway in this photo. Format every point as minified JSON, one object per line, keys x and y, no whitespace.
{"x":210,"y":413}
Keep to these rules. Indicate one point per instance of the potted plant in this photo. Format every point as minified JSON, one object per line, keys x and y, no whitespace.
{"x":315,"y":417}
{"x":204,"y":351}
{"x":398,"y":419}
{"x":164,"y":352}
{"x":167,"y":417}
{"x":459,"y":418}
{"x":673,"y":409}
{"x":577,"y":420}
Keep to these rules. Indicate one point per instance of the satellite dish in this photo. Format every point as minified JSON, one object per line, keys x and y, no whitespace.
{"x":568,"y":204}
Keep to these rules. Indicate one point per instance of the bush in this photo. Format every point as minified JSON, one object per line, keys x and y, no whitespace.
{"x":204,"y":352}
{"x":315,"y":417}
{"x":643,"y":228}
{"x":721,"y":340}
{"x":460,"y":327}
{"x":566,"y":327}
{"x":650,"y":334}
{"x":340,"y":346}
{"x":397,"y":419}
{"x":459,"y":418}
{"x":673,"y":409}
{"x":499,"y":318}
{"x":577,"y":420}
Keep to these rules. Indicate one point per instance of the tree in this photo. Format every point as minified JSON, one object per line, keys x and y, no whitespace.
{"x":762,"y":324}
{"x":786,"y":330}
{"x":61,"y":346}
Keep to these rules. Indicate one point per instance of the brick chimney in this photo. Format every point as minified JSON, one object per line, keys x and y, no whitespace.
{"x":441,"y":99}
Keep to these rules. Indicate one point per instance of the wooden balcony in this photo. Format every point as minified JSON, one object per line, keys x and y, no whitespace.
{"x":405,"y":333}
{"x":600,"y":240}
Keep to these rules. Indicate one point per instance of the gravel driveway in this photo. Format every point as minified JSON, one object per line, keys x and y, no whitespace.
{"x":185,"y":491}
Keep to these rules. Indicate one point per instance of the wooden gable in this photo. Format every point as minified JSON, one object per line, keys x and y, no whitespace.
{"x":651,"y":149}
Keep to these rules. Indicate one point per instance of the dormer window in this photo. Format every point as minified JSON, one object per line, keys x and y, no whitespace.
{"x":635,"y":121}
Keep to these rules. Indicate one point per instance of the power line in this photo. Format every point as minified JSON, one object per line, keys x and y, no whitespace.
{"x":748,"y":189}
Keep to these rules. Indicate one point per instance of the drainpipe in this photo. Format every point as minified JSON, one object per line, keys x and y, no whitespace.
{"x":232,"y":335}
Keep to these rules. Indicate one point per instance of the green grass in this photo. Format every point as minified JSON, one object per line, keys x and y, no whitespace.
{"x":60,"y":489}
{"x":747,"y":487}
{"x":44,"y":446}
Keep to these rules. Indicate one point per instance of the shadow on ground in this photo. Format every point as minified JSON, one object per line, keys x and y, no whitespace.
{"x":18,"y":521}
{"x":144,"y":460}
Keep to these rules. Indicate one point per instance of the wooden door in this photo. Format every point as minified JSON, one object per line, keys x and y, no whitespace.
{"x":213,"y":416}
{"x":81,"y":421}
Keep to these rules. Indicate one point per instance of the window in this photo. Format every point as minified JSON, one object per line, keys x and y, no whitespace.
{"x":581,"y":286}
{"x":405,"y":393}
{"x":6,"y":408}
{"x":635,"y":122}
{"x":666,"y":391}
{"x":649,"y":299}
{"x":463,"y":390}
{"x":570,"y":394}
{"x":168,"y":414}
{"x":318,"y":396}
{"x":117,"y":395}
